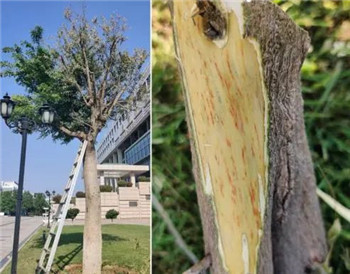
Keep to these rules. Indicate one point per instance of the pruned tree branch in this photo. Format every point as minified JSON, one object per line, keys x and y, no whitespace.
{"x":172,"y":229}
{"x":107,"y":70}
{"x":78,"y":134}
{"x":255,"y":184}
{"x":108,"y":107}
{"x":200,"y":267}
{"x":86,"y":68}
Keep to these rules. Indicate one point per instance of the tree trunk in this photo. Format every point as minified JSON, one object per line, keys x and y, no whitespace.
{"x":240,"y":68}
{"x":92,"y":247}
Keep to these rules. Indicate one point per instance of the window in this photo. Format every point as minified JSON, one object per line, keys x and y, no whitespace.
{"x":148,"y":197}
{"x":139,"y":150}
{"x":132,"y":204}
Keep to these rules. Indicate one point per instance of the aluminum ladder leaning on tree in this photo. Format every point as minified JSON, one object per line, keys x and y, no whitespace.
{"x":50,"y":247}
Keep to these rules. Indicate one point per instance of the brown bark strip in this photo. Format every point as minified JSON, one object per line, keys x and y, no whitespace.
{"x":294,"y":223}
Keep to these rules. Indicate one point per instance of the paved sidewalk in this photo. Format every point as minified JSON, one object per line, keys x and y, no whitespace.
{"x":28,"y":226}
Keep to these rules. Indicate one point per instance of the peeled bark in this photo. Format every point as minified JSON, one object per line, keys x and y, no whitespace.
{"x":240,"y":67}
{"x":92,"y":246}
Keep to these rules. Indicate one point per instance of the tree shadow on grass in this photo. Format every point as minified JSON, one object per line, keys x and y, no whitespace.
{"x":72,"y":238}
{"x":63,"y":260}
{"x":77,"y":238}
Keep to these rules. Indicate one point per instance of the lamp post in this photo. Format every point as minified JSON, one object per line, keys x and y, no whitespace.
{"x":23,"y":125}
{"x":49,"y":194}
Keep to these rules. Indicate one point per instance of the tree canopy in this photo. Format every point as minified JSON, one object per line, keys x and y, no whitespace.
{"x":8,"y":202}
{"x":112,"y":214}
{"x":87,"y":76}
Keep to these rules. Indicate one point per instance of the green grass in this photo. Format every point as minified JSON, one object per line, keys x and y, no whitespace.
{"x":172,"y":183}
{"x":125,"y":246}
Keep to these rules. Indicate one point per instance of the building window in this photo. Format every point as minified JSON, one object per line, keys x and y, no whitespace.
{"x":138,"y":151}
{"x":148,"y":197}
{"x":132,"y":204}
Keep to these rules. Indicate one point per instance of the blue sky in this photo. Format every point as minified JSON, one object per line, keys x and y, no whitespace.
{"x":48,"y":164}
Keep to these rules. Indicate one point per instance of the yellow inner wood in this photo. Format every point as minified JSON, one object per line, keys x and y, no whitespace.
{"x":227,"y":109}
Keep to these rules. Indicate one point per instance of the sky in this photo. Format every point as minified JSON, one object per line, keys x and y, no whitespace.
{"x":49,"y":163}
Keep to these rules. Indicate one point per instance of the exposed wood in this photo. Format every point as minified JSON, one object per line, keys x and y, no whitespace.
{"x":253,"y":170}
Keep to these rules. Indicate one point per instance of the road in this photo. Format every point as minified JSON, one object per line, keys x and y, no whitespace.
{"x":28,"y":226}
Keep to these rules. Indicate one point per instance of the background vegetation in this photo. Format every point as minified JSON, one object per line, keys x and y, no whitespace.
{"x":326,"y":92}
{"x":31,"y":204}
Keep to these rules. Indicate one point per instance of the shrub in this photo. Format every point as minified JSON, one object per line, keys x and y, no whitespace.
{"x":72,"y":213}
{"x":105,"y":188}
{"x":57,"y":198}
{"x":122,"y":183}
{"x":112,"y":214}
{"x":80,"y":194}
{"x":143,"y":179}
{"x":129,"y":184}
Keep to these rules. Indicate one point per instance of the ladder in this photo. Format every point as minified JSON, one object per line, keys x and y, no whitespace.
{"x":50,"y":247}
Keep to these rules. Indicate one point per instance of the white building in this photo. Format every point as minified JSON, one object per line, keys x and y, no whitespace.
{"x":124,"y":154}
{"x":127,"y":140}
{"x":8,"y":186}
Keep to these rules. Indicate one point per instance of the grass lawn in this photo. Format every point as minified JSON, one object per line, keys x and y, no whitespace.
{"x":125,"y":246}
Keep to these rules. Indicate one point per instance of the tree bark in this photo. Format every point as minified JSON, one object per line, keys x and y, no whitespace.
{"x":240,"y":68}
{"x":92,"y":246}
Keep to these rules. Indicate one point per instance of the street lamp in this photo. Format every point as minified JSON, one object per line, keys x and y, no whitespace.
{"x":49,"y":194}
{"x":47,"y":114}
{"x":23,"y":125}
{"x":7,"y":106}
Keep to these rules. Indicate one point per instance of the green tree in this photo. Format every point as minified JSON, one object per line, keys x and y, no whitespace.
{"x":8,"y":202}
{"x":88,"y":79}
{"x":72,"y":213}
{"x":28,"y":202}
{"x":112,"y":214}
{"x":39,"y":203}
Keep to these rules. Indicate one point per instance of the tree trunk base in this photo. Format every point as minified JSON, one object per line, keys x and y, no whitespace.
{"x":92,"y":246}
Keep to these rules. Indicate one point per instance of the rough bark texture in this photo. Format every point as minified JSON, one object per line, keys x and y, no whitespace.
{"x":294,"y":223}
{"x":92,"y":246}
{"x":293,"y":237}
